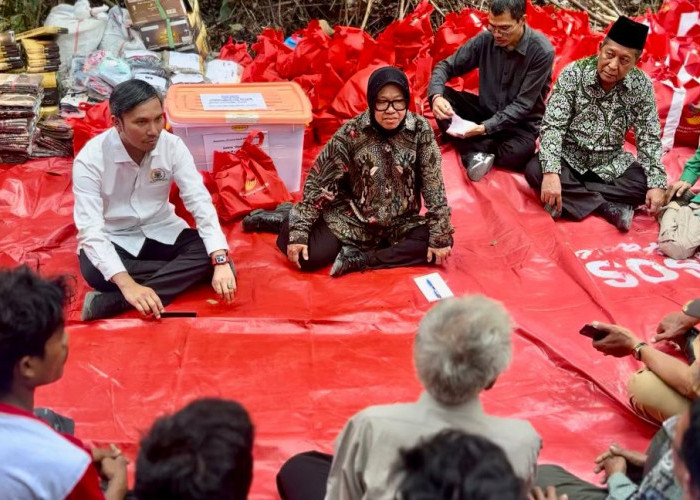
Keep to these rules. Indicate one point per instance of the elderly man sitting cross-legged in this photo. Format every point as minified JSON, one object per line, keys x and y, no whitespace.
{"x":462,"y":346}
{"x":582,"y":167}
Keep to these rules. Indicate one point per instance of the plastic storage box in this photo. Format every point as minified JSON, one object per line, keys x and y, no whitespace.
{"x":211,"y":117}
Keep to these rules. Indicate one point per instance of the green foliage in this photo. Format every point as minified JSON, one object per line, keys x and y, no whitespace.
{"x":23,"y":15}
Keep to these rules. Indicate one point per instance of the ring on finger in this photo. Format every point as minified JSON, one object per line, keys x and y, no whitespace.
{"x":229,"y":285}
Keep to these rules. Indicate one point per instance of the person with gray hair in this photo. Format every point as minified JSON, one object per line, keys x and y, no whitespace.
{"x":461,"y":347}
{"x":133,"y":249}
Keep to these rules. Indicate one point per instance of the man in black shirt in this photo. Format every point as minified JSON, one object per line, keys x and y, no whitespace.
{"x":515,"y":74}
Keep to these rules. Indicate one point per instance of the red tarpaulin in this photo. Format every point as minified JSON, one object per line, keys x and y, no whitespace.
{"x":303,"y":352}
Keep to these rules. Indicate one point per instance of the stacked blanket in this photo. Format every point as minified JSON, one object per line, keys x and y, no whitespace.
{"x":20,"y":101}
{"x":53,"y":137}
{"x":10,"y":53}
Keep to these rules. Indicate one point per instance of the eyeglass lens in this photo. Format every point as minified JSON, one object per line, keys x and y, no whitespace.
{"x":398,"y":105}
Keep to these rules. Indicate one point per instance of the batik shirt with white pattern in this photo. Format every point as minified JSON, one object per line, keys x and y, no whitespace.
{"x":585,"y":126}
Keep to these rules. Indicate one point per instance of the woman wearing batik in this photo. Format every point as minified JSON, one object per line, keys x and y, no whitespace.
{"x":363,"y":195}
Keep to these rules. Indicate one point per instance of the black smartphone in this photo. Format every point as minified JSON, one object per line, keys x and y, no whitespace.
{"x":592,"y":332}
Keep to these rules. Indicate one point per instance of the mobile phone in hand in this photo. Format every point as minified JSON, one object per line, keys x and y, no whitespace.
{"x":592,"y":332}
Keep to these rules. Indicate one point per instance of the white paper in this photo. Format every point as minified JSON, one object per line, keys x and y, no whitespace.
{"x":160,"y":83}
{"x":459,"y":126}
{"x":187,"y":78}
{"x":184,"y":61}
{"x":229,"y":143}
{"x":220,"y":71}
{"x":433,"y":287}
{"x":211,"y":102}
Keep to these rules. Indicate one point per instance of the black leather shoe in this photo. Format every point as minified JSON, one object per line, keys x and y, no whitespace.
{"x":266,"y":221}
{"x":617,"y":214}
{"x":349,"y":260}
{"x":477,"y":165}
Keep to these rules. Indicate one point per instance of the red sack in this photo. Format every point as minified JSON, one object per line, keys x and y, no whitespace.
{"x":455,"y":31}
{"x":236,"y":52}
{"x":310,"y":54}
{"x":350,"y":50}
{"x":670,"y":13}
{"x":98,"y":118}
{"x":246,"y":180}
{"x":408,"y":36}
{"x":270,"y":50}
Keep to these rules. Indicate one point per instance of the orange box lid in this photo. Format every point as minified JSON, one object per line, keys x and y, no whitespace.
{"x":209,"y":104}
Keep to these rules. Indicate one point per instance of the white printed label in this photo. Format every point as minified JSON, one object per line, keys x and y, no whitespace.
{"x":221,"y":102}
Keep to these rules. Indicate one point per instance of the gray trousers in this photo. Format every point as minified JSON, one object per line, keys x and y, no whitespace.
{"x":567,"y":483}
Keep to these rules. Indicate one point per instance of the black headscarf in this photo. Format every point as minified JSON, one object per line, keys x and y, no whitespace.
{"x":381,"y":77}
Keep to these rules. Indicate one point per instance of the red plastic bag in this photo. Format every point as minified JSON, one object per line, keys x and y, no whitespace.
{"x":246,"y":180}
{"x":270,"y":50}
{"x":455,"y":31}
{"x":98,"y":118}
{"x":350,"y":50}
{"x":684,"y":130}
{"x":310,"y":54}
{"x":670,"y":13}
{"x":236,"y":52}
{"x":407,"y":37}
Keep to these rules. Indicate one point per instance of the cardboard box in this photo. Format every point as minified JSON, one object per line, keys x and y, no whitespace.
{"x":147,"y":12}
{"x":155,"y":35}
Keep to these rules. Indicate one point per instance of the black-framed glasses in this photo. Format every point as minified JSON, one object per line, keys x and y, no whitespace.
{"x":500,"y":30}
{"x":398,"y":105}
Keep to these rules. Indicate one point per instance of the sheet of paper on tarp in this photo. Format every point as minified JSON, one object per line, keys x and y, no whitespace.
{"x":433,"y":287}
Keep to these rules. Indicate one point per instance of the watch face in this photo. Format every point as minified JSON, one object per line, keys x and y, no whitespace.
{"x":220,"y":259}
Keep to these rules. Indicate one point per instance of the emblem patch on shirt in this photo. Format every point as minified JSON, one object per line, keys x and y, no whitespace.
{"x":158,"y":175}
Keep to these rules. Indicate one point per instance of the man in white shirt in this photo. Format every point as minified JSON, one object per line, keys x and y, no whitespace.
{"x":133,"y":248}
{"x":462,"y":346}
{"x":37,"y":461}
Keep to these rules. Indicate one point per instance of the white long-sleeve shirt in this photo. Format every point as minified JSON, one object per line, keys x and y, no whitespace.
{"x":120,"y":202}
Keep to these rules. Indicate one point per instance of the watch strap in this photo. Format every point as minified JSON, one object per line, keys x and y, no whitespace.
{"x":637,"y":350}
{"x":220,"y":259}
{"x":692,"y":308}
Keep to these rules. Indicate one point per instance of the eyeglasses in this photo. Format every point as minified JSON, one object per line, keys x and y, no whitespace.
{"x":398,"y":105}
{"x":500,"y":30}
